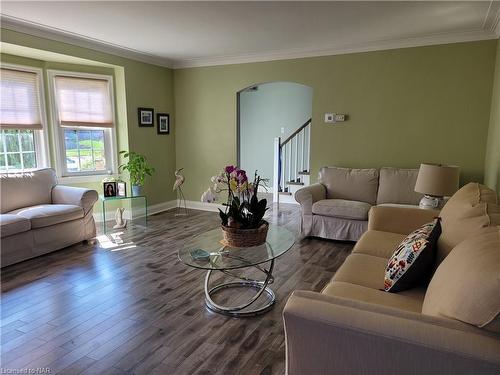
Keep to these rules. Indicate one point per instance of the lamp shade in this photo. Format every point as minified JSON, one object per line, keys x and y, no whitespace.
{"x":437,"y":180}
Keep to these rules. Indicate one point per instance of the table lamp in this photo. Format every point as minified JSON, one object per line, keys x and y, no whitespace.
{"x":436,"y":181}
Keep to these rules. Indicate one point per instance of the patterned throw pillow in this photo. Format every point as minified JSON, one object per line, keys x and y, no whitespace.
{"x":413,"y":260}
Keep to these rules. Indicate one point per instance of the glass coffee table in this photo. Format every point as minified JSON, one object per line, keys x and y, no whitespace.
{"x":206,"y":251}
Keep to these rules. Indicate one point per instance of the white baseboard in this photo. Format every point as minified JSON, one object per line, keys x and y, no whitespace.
{"x":289,"y":199}
{"x":204,"y":206}
{"x":161,"y":207}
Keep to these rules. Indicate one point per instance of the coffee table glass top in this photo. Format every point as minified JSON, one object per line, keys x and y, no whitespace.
{"x":206,"y":250}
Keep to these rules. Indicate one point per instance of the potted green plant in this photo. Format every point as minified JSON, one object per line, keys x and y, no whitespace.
{"x":242,"y":220}
{"x":138,"y":168}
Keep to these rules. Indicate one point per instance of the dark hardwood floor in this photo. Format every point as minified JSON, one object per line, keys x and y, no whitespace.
{"x":127,"y":305}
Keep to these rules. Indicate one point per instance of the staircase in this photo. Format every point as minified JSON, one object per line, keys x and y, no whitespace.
{"x":291,"y":164}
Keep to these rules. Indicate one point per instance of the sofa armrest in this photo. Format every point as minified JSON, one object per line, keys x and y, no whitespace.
{"x":401,"y":220}
{"x":82,"y":197}
{"x":308,"y":195}
{"x":332,"y":335}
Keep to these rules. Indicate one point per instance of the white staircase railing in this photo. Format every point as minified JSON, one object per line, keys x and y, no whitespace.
{"x":291,"y":162}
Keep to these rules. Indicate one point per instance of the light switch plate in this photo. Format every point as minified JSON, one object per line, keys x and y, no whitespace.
{"x":329,"y":118}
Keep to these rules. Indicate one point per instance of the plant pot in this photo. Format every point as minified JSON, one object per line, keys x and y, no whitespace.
{"x":136,"y":190}
{"x":237,"y":237}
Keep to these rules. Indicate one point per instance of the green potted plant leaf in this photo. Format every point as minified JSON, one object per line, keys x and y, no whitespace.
{"x":138,"y":168}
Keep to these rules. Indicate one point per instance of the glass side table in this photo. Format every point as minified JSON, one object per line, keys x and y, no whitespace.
{"x":136,"y":210}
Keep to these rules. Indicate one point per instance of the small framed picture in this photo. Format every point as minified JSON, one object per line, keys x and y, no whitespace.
{"x":146,"y":116}
{"x":121,"y":189}
{"x":163,"y":123}
{"x":109,"y":189}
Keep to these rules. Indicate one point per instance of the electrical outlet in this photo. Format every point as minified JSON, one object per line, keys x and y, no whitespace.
{"x":282,"y":130}
{"x":339,"y":117}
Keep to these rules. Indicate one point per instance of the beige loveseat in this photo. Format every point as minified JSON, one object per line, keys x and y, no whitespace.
{"x":337,"y":206}
{"x":450,"y":326}
{"x":38,"y":216}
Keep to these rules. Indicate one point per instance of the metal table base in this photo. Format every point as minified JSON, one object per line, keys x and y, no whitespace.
{"x":261,"y":288}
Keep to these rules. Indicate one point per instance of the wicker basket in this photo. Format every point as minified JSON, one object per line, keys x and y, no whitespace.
{"x":236,"y":237}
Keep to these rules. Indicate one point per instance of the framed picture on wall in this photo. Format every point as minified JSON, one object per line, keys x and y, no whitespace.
{"x":146,"y":116}
{"x":163,"y":123}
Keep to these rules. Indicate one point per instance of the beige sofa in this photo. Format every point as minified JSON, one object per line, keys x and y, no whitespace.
{"x":354,"y":327}
{"x":337,"y":206}
{"x":38,"y":216}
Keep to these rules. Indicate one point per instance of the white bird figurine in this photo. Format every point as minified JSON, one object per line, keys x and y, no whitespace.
{"x":181,"y":201}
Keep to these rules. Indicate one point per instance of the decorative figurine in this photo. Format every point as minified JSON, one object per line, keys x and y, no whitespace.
{"x":181,"y":201}
{"x":120,"y":222}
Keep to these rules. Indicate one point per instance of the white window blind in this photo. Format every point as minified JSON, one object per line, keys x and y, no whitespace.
{"x":19,"y":98}
{"x":83,"y":102}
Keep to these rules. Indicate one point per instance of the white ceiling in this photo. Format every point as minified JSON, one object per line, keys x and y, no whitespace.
{"x":209,"y":33}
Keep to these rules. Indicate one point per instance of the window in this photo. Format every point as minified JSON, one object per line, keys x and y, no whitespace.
{"x":22,"y":141}
{"x":84,"y":150}
{"x":17,"y":151}
{"x":84,"y":122}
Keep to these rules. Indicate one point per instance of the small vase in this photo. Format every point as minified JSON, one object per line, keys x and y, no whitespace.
{"x":136,"y":190}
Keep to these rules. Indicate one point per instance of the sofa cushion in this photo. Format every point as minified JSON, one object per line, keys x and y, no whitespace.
{"x":362,"y":269}
{"x":26,"y":189}
{"x":351,"y":184}
{"x":378,"y":243}
{"x":466,"y":285}
{"x":471,"y":208}
{"x":398,"y":205}
{"x":342,"y":208}
{"x":413,"y":260}
{"x":409,"y":300}
{"x":398,"y":186}
{"x":45,"y":215}
{"x":13,"y":224}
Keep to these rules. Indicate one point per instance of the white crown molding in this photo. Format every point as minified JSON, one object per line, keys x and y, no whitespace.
{"x":492,"y":18}
{"x":43,"y":31}
{"x":447,"y":38}
{"x":490,"y":30}
{"x":497,"y":26}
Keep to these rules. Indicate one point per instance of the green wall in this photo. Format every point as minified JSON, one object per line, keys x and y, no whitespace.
{"x":263,"y":113}
{"x":137,"y":84}
{"x":405,"y":106}
{"x":492,"y":164}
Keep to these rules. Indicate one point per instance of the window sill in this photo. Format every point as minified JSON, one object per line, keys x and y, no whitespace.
{"x":84,"y":179}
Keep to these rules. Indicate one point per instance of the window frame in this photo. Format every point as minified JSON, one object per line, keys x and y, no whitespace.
{"x":110,"y":141}
{"x":40,"y":137}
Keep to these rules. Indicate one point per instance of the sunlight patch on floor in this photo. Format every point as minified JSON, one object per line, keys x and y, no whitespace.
{"x":114,"y":242}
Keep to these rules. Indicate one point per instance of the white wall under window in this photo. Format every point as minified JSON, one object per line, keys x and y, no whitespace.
{"x":82,"y":150}
{"x":24,"y":149}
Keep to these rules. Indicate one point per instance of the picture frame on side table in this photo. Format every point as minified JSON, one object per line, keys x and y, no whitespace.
{"x":121,"y":189}
{"x":146,"y":117}
{"x":163,"y":123}
{"x":109,"y":189}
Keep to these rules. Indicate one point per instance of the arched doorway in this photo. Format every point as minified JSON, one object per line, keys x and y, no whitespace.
{"x":275,"y":110}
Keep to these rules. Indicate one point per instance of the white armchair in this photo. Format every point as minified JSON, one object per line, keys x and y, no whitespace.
{"x":38,"y":216}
